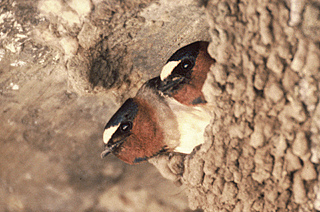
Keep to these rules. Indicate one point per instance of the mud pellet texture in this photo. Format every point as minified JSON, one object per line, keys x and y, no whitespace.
{"x":268,"y":64}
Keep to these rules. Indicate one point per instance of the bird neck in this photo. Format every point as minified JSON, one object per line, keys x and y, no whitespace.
{"x":166,"y":118}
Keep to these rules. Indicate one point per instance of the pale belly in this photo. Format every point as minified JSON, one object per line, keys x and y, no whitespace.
{"x":192,"y":122}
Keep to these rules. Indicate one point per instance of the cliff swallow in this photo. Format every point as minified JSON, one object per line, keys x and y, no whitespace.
{"x":148,"y":124}
{"x":161,"y":117}
{"x":142,"y":127}
{"x":185,"y":72}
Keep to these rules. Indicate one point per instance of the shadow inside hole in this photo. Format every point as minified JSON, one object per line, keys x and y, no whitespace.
{"x":102,"y":73}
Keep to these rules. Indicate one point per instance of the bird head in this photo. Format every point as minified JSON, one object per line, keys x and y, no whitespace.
{"x":133,"y":134}
{"x":185,"y":72}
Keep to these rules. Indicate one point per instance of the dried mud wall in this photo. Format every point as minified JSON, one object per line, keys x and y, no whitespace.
{"x":262,"y":147}
{"x":65,"y":68}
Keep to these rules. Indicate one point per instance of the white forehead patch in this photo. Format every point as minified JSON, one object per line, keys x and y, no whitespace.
{"x":168,"y":68}
{"x":107,"y":134}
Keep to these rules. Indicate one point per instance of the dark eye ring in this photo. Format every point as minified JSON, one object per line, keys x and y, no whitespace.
{"x":126,"y":126}
{"x":186,"y":64}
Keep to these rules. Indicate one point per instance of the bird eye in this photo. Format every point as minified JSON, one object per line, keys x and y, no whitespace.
{"x":125,"y":127}
{"x":186,"y":64}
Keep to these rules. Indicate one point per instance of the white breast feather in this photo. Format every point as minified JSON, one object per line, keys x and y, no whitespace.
{"x":192,"y":123}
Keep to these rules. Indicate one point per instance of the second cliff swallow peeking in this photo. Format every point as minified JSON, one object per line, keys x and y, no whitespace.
{"x":185,"y":72}
{"x":159,"y":118}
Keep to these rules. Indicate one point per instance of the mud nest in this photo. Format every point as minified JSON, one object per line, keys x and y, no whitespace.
{"x":261,"y":148}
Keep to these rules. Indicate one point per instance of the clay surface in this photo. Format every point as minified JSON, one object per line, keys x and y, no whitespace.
{"x":261,"y":150}
{"x":65,"y":68}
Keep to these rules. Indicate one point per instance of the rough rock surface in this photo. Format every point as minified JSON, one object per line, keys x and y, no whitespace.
{"x":65,"y":66}
{"x":262,"y":147}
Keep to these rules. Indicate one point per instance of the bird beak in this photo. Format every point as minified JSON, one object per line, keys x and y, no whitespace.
{"x":105,"y":152}
{"x":167,"y":85}
{"x":109,"y":149}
